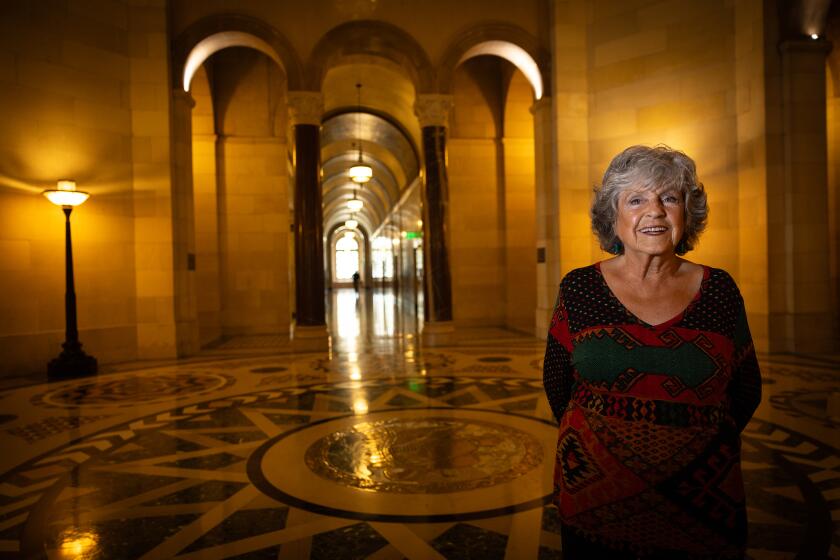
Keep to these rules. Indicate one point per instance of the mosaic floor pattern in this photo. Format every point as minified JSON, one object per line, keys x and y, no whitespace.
{"x":385,"y":453}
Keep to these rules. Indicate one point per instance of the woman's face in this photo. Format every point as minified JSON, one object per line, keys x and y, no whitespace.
{"x":650,"y":221}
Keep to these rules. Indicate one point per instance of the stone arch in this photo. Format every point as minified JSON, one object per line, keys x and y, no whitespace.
{"x":510,"y":42}
{"x":209,"y":35}
{"x":372,"y":39}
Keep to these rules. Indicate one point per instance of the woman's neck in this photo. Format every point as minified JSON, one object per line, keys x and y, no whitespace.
{"x":646,"y":268}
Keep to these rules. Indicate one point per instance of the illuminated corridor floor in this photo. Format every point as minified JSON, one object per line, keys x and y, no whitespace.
{"x":379,"y":449}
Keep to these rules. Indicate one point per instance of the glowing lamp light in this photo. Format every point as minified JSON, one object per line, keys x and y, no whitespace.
{"x":814,"y":36}
{"x":351,"y":224}
{"x":66,"y":194}
{"x":361,"y":173}
{"x":355,"y":204}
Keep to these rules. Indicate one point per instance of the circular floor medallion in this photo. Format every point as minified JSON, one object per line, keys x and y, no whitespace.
{"x":424,"y":455}
{"x":465,"y":464}
{"x":141,"y":388}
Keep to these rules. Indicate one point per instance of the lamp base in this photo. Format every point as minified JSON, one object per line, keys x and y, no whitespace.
{"x":71,"y":363}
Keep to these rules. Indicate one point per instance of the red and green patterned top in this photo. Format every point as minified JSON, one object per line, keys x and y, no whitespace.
{"x":648,"y":455}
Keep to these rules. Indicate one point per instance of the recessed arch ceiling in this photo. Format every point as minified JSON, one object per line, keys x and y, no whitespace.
{"x":381,"y":117}
{"x":514,"y":54}
{"x":222,"y":40}
{"x":386,"y":89}
{"x":385,"y":148}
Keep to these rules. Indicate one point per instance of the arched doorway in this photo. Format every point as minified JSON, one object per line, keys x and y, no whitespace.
{"x":347,"y":254}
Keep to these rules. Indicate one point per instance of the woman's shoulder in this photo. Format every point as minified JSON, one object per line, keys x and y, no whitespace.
{"x":719,"y":280}
{"x":580,"y":277}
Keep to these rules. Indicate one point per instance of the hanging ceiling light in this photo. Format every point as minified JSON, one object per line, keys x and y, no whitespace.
{"x":355,"y":204}
{"x":360,"y":173}
{"x":351,"y":224}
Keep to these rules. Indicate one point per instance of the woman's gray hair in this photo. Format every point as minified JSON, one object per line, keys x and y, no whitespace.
{"x":658,"y":167}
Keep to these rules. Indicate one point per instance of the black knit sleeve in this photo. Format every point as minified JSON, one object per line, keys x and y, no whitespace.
{"x":745,"y":386}
{"x":557,"y":365}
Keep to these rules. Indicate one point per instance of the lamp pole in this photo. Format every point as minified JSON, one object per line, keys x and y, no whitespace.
{"x":73,"y":361}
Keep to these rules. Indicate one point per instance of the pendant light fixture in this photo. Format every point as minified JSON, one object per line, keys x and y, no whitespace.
{"x":355,"y":204}
{"x":360,"y":173}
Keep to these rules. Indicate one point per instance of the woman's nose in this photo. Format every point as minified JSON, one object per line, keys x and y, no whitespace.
{"x":656,"y":208}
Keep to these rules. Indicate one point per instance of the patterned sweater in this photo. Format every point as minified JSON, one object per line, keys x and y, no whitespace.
{"x":648,"y":453}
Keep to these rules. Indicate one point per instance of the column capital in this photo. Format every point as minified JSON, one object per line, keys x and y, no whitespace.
{"x":183,"y":97}
{"x":819,"y":46}
{"x":541,"y":104}
{"x":305,"y":107}
{"x":432,"y":109}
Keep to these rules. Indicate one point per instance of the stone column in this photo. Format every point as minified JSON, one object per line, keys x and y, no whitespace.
{"x":432,"y":111}
{"x":183,"y":226}
{"x":801,"y":318}
{"x":547,"y":216}
{"x":309,"y":331}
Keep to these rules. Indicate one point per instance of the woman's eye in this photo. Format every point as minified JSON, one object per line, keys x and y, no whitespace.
{"x":634,"y":201}
{"x":670,"y":199}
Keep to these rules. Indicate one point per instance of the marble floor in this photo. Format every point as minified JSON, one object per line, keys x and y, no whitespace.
{"x":379,"y":448}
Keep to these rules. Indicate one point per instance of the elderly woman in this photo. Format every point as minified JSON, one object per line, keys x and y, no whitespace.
{"x":651,"y":372}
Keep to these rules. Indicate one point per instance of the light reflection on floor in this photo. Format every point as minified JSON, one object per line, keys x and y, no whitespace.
{"x":373,"y":318}
{"x":277,"y":455}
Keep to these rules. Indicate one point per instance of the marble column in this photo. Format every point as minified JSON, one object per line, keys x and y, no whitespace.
{"x":183,"y":226}
{"x":309,"y":331}
{"x":801,"y":314}
{"x":432,"y":111}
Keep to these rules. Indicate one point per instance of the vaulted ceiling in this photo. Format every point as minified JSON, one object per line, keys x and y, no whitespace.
{"x":379,"y":119}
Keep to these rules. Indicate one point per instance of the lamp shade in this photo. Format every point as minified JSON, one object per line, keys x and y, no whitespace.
{"x":355,"y":204}
{"x":66,"y":194}
{"x":361,"y":173}
{"x":351,"y":224}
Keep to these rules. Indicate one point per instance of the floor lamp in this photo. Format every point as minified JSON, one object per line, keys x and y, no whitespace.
{"x":72,"y":362}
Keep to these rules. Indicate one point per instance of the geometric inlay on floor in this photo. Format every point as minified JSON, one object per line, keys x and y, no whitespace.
{"x":131,"y":390}
{"x":322,"y":471}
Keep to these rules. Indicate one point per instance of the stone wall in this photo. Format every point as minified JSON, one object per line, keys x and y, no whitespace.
{"x":86,"y":98}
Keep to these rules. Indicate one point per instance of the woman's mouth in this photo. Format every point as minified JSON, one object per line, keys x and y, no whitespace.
{"x":653,"y":230}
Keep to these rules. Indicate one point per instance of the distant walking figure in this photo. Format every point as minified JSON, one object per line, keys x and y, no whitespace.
{"x":356,"y":279}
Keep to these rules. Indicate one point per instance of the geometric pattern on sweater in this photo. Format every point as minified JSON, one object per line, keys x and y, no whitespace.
{"x":665,"y":413}
{"x":602,"y":354}
{"x":651,"y":414}
{"x":579,"y":468}
{"x":652,"y":452}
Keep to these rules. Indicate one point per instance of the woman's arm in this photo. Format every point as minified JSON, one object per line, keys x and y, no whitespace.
{"x":557,"y":365}
{"x":745,"y":387}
